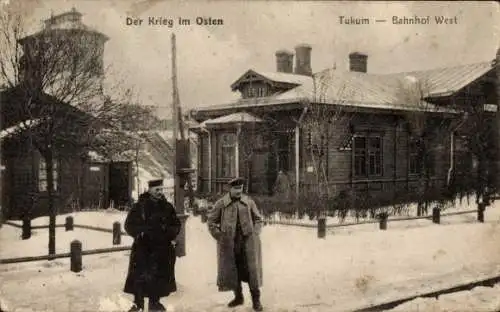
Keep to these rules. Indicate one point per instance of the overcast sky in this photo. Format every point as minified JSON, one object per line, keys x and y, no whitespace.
{"x":210,"y":58}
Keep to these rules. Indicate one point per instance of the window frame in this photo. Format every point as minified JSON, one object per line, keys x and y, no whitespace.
{"x":261,"y":91}
{"x":227,"y":142}
{"x":250,"y":92}
{"x":413,"y":157}
{"x":366,"y":153}
{"x":431,"y":158}
{"x":42,"y":182}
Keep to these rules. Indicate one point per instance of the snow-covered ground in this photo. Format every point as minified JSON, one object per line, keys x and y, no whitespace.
{"x":353,"y":267}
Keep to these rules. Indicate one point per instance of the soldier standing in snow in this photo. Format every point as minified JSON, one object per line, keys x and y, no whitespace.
{"x":154,"y":225}
{"x":235,"y":222}
{"x":282,"y":187}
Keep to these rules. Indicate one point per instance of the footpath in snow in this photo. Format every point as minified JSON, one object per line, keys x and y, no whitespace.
{"x":351,"y":268}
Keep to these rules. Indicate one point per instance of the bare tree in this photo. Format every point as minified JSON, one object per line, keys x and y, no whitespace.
{"x":480,"y":142}
{"x":133,"y":124}
{"x":496,"y":63}
{"x":326,"y":124}
{"x":422,"y":129}
{"x":56,"y":77}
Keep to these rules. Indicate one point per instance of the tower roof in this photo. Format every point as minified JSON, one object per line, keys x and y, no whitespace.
{"x":70,"y":20}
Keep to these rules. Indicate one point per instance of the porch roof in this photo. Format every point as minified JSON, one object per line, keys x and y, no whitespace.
{"x":240,"y":117}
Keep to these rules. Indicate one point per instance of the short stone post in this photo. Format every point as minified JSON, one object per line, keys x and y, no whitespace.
{"x":196,"y":209}
{"x":487,"y":199}
{"x":117,"y":233}
{"x":481,"y":207}
{"x":69,"y":223}
{"x":26,"y":229}
{"x":436,"y":215}
{"x":383,"y":221}
{"x":321,"y":227}
{"x":76,"y":256}
{"x":1,"y":218}
{"x":204,"y":215}
{"x":180,"y":240}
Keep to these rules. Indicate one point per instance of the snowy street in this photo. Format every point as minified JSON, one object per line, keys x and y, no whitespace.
{"x":352,"y":268}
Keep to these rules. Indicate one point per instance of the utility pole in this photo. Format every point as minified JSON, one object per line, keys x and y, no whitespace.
{"x":181,"y":168}
{"x":497,"y":124}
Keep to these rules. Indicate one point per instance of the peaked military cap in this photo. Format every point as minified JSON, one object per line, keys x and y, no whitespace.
{"x":154,"y":183}
{"x":236,"y":182}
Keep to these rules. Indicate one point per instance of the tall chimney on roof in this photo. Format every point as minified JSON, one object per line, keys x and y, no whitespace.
{"x":358,"y":62}
{"x":284,"y":61}
{"x":303,"y":60}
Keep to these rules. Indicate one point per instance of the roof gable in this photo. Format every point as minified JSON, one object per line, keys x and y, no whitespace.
{"x":270,"y":77}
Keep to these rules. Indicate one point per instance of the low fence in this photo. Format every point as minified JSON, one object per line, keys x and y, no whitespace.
{"x":76,"y":253}
{"x":382,"y":219}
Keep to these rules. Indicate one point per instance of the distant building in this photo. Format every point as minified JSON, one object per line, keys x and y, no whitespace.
{"x":76,"y":43}
{"x":80,"y":181}
{"x":281,"y":123}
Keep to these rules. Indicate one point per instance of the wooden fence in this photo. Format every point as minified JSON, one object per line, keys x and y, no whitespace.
{"x":383,"y":220}
{"x":76,"y":251}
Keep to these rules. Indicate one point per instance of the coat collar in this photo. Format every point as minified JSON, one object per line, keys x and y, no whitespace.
{"x":226,"y":200}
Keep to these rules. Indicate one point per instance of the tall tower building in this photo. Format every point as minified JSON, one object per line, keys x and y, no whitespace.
{"x":64,"y":50}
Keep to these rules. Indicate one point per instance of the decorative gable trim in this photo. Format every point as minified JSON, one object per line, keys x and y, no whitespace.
{"x":249,"y":76}
{"x":253,"y":76}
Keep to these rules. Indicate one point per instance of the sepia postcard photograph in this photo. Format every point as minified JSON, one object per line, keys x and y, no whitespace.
{"x":238,"y":156}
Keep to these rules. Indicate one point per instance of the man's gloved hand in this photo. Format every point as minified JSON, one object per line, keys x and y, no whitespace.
{"x":258,"y":228}
{"x":144,"y":232}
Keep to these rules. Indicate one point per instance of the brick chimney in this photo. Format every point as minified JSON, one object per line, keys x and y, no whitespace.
{"x":284,"y":61}
{"x":303,"y":60}
{"x":358,"y":62}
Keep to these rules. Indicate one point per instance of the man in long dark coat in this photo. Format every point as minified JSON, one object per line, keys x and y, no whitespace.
{"x":235,"y":222}
{"x":154,"y":225}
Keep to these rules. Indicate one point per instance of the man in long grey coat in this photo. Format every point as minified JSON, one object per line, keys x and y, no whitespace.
{"x":235,"y":222}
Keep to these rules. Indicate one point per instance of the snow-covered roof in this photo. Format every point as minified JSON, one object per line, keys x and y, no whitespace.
{"x":240,"y":117}
{"x":356,"y":89}
{"x":11,"y":131}
{"x":286,"y":77}
{"x":66,"y":21}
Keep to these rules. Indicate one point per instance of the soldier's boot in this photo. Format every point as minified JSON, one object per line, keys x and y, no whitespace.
{"x":138,"y":304}
{"x":256,"y":304}
{"x":136,"y":308}
{"x":155,"y":305}
{"x":238,"y":298}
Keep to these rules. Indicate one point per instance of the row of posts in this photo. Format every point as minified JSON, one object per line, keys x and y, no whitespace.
{"x":76,"y":245}
{"x":117,"y":232}
{"x":69,"y":226}
{"x":383,"y":218}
